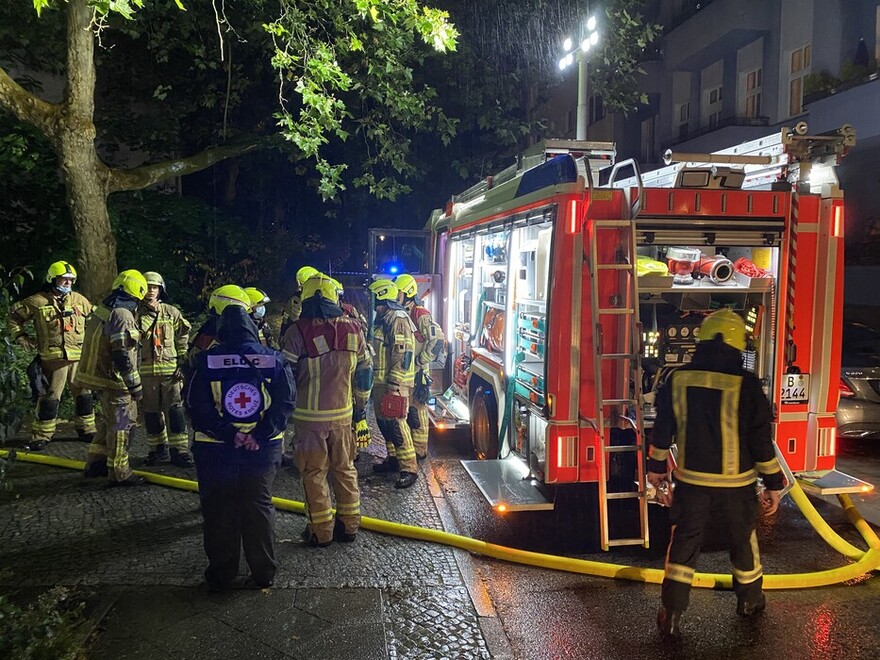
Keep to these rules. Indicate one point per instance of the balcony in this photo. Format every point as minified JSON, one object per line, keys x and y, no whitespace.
{"x":740,"y":125}
{"x":854,"y":102}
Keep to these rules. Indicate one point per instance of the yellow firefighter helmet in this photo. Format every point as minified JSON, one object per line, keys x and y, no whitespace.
{"x":256,"y":296}
{"x":226,"y":295}
{"x":320,"y":285}
{"x":131,"y":282}
{"x":384,"y":290}
{"x":339,"y":288}
{"x":60,"y":269}
{"x":407,"y":285}
{"x":726,"y":323}
{"x":305,"y":273}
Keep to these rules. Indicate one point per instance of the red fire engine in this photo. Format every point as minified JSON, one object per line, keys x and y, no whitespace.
{"x":566,"y":303}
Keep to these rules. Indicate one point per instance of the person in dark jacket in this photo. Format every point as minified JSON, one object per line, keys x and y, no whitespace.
{"x":719,"y":417}
{"x":240,"y":397}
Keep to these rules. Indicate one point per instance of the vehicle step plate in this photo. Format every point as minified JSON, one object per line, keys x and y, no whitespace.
{"x":831,"y":482}
{"x":506,"y":485}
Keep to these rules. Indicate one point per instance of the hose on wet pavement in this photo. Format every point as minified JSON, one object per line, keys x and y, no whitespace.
{"x":864,"y":561}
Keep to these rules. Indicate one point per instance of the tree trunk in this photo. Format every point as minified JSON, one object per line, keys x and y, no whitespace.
{"x":85,"y":176}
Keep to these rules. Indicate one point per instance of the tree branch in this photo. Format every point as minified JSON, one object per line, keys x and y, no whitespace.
{"x":144,"y":176}
{"x":27,"y":107}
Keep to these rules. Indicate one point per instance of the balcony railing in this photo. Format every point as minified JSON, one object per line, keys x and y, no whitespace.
{"x":723,"y":123}
{"x":819,"y":94}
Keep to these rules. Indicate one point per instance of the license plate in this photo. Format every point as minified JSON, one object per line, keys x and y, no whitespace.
{"x":795,"y":388}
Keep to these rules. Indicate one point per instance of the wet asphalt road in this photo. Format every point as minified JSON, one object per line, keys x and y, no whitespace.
{"x":548,"y":614}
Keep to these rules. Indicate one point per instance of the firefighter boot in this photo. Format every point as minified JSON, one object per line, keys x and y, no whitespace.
{"x":34,"y":445}
{"x":85,"y":436}
{"x":95,"y":469}
{"x":340,"y":535}
{"x":744,"y":608}
{"x":158,"y":454}
{"x":311,"y":540}
{"x":406,"y":479}
{"x":181,"y":458}
{"x":389,"y":465}
{"x":668,"y":623}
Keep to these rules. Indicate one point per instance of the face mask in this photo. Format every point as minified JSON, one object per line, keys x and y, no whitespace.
{"x":260,"y":312}
{"x":64,"y":289}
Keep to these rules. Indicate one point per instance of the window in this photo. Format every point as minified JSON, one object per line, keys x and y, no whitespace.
{"x":683,"y":115}
{"x":569,"y":122}
{"x":712,"y":106}
{"x":597,"y":109}
{"x":799,"y":68}
{"x":753,"y":93}
{"x":647,"y":150}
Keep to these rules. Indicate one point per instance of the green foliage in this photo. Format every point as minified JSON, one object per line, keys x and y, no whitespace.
{"x":14,"y":397}
{"x":851,"y":71}
{"x":820,"y":82}
{"x":347,"y":69}
{"x":50,"y":628}
{"x":197,"y":248}
{"x":615,"y":69}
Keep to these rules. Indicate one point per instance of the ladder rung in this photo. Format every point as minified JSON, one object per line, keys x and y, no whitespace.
{"x":619,"y":356}
{"x":614,"y":402}
{"x":616,"y":449}
{"x":616,"y":310}
{"x":614,"y":266}
{"x":612,"y":223}
{"x":624,"y":495}
{"x":619,"y":542}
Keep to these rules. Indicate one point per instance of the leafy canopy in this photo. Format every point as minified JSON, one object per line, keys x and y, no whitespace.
{"x":345,"y":70}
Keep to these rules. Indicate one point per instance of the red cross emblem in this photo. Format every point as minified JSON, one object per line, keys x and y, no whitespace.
{"x":242,"y":400}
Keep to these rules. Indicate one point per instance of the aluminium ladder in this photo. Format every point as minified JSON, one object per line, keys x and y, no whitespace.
{"x":623,"y":391}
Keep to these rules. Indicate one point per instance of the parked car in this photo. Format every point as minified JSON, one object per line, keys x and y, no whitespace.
{"x":858,"y":414}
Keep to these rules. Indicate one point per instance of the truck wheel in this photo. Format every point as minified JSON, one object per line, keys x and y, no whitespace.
{"x":484,"y":424}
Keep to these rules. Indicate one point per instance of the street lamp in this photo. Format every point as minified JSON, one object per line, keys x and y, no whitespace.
{"x":589,"y":38}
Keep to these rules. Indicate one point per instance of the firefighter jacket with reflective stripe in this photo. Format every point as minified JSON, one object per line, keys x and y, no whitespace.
{"x":205,"y":338}
{"x":719,"y":417}
{"x":59,"y":322}
{"x":426,"y":336}
{"x":393,"y":339}
{"x":164,"y":338}
{"x":111,"y":350}
{"x":239,"y":386}
{"x":331,"y":365}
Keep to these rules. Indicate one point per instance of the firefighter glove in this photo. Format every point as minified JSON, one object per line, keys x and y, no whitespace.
{"x":422,"y":390}
{"x":362,"y":433}
{"x":136,"y":392}
{"x":412,"y":418}
{"x":26,"y":343}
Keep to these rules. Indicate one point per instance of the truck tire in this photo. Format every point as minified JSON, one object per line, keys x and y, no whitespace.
{"x":484,"y":424}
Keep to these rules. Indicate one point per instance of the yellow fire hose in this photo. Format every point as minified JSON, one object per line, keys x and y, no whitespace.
{"x":866,"y":561}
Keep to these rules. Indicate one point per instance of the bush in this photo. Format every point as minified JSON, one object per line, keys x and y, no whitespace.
{"x":50,"y":628}
{"x":14,"y":395}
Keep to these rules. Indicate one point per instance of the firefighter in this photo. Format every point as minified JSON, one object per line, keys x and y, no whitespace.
{"x":240,"y":396}
{"x":718,"y":414}
{"x":164,"y":338}
{"x":59,"y":318}
{"x":427,"y":337}
{"x":206,"y":335}
{"x":348,"y":309}
{"x":258,"y":300}
{"x":294,"y":306}
{"x":109,"y":366}
{"x":393,"y":346}
{"x":328,"y":353}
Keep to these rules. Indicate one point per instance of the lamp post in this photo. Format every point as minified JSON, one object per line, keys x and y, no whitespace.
{"x":580,"y":53}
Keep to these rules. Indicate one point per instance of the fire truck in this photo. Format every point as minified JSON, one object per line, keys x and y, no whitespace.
{"x":568,"y":292}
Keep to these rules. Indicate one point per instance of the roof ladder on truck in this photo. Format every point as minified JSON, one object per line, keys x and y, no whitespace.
{"x":621,"y":393}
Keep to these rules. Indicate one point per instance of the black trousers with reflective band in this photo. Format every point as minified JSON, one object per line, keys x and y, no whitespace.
{"x":235,"y":489}
{"x":733,"y":511}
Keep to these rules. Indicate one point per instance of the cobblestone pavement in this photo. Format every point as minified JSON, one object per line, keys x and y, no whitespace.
{"x":382,"y":596}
